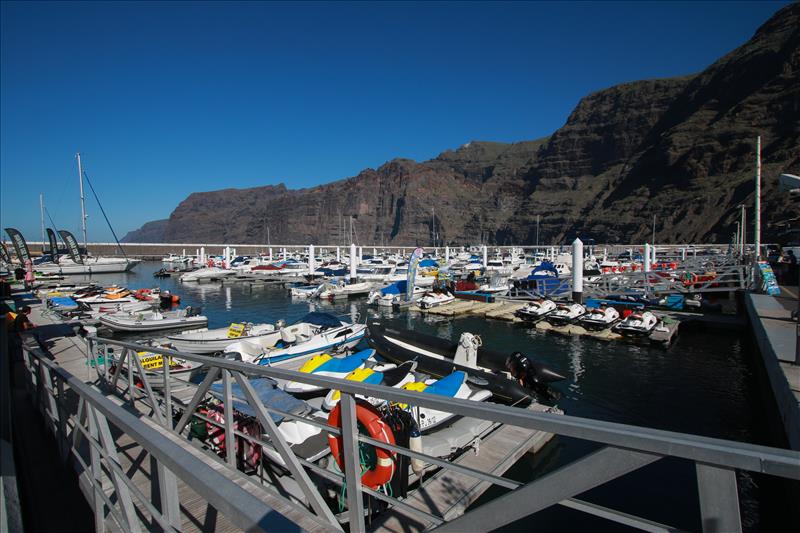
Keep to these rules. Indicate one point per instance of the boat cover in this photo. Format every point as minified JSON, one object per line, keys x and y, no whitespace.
{"x":270,"y":395}
{"x":321,"y":319}
{"x":428,"y":263}
{"x":398,"y":287}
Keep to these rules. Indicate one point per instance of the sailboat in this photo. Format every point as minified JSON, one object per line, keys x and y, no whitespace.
{"x":77,"y":263}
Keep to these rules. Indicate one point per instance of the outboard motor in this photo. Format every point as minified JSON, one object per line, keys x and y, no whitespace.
{"x":520,"y":368}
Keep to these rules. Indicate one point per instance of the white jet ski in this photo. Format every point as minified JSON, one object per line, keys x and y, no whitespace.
{"x":599,"y":318}
{"x":565,"y":314}
{"x":637,"y":324}
{"x":536,"y":310}
{"x":435,"y":299}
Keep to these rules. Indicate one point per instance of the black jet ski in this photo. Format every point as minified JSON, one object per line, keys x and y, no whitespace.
{"x":437,"y":357}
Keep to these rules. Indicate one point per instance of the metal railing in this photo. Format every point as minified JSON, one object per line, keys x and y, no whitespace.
{"x":624,"y":448}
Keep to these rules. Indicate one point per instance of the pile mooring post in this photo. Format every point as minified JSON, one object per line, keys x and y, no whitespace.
{"x":577,"y":271}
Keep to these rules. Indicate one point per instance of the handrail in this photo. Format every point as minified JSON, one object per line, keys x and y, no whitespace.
{"x":241,"y":507}
{"x":719,"y":452}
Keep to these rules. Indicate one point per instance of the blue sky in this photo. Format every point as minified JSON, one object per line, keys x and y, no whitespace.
{"x":163,"y":99}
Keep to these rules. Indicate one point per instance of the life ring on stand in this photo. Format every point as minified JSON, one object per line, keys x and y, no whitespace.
{"x":367,"y":416}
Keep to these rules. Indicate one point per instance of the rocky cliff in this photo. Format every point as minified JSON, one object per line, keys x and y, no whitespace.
{"x":680,"y":149}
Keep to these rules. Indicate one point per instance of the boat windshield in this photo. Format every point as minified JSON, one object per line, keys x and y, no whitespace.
{"x":325,"y":320}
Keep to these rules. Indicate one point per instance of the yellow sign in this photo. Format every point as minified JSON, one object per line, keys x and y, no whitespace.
{"x":152,"y":361}
{"x":235,"y":330}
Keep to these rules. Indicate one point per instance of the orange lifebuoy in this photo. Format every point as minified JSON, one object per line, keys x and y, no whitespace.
{"x":368,"y":417}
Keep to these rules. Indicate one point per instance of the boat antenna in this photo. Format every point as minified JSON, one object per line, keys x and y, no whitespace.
{"x":83,"y":204}
{"x":121,"y":249}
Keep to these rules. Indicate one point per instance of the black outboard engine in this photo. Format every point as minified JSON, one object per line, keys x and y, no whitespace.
{"x":519,"y":366}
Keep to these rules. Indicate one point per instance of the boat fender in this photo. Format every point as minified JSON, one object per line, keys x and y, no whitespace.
{"x":415,"y":445}
{"x":369,"y":417}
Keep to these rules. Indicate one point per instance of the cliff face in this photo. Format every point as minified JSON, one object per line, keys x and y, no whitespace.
{"x":682,"y":149}
{"x":150,"y":232}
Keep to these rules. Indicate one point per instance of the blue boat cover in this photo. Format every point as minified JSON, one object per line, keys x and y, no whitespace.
{"x":448,"y":385}
{"x":346,"y":364}
{"x":398,"y":287}
{"x":270,"y":396}
{"x":63,"y":301}
{"x":428,"y":263}
{"x":321,"y":319}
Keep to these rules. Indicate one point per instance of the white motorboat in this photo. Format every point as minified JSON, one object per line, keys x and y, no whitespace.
{"x":343,"y":290}
{"x":435,"y":299}
{"x":208,"y":273}
{"x":536,"y":310}
{"x":375,"y":272}
{"x":306,"y":291}
{"x":215,"y":340}
{"x":565,"y":313}
{"x":637,"y":324}
{"x":599,"y":318}
{"x":90,"y":265}
{"x":315,"y":333}
{"x":391,"y":294}
{"x":154,"y":320}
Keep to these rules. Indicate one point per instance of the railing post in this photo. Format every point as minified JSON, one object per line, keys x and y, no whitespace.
{"x":719,"y":499}
{"x":164,"y":494}
{"x":96,"y":472}
{"x":352,"y":463}
{"x":230,"y":442}
{"x":165,"y":360}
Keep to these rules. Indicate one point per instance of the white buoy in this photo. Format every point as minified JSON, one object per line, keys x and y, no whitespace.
{"x":202,"y":254}
{"x":311,"y":266}
{"x":353,"y":261}
{"x":577,"y":271}
{"x":647,"y":258}
{"x":485,"y":258}
{"x":338,"y":255}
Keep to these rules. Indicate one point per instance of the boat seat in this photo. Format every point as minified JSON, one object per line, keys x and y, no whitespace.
{"x":448,"y":385}
{"x":346,"y":364}
{"x":287,"y":336}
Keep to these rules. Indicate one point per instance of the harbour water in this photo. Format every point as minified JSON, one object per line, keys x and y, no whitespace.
{"x":704,"y":384}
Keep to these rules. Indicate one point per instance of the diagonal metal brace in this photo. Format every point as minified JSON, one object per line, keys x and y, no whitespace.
{"x":575,"y":478}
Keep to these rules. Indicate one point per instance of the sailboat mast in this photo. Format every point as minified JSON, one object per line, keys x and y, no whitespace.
{"x":83,"y":203}
{"x":41,"y":211}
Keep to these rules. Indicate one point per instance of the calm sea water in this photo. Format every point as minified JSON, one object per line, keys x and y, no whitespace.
{"x":703,"y":384}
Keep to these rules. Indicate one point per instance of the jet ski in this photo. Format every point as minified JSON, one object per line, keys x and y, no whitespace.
{"x":435,"y":299}
{"x":510,"y":378}
{"x":389,"y":375}
{"x":328,"y":366}
{"x":451,"y":386}
{"x":637,"y":324}
{"x":599,"y":318}
{"x":536,"y":310}
{"x":565,"y":314}
{"x":306,"y":441}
